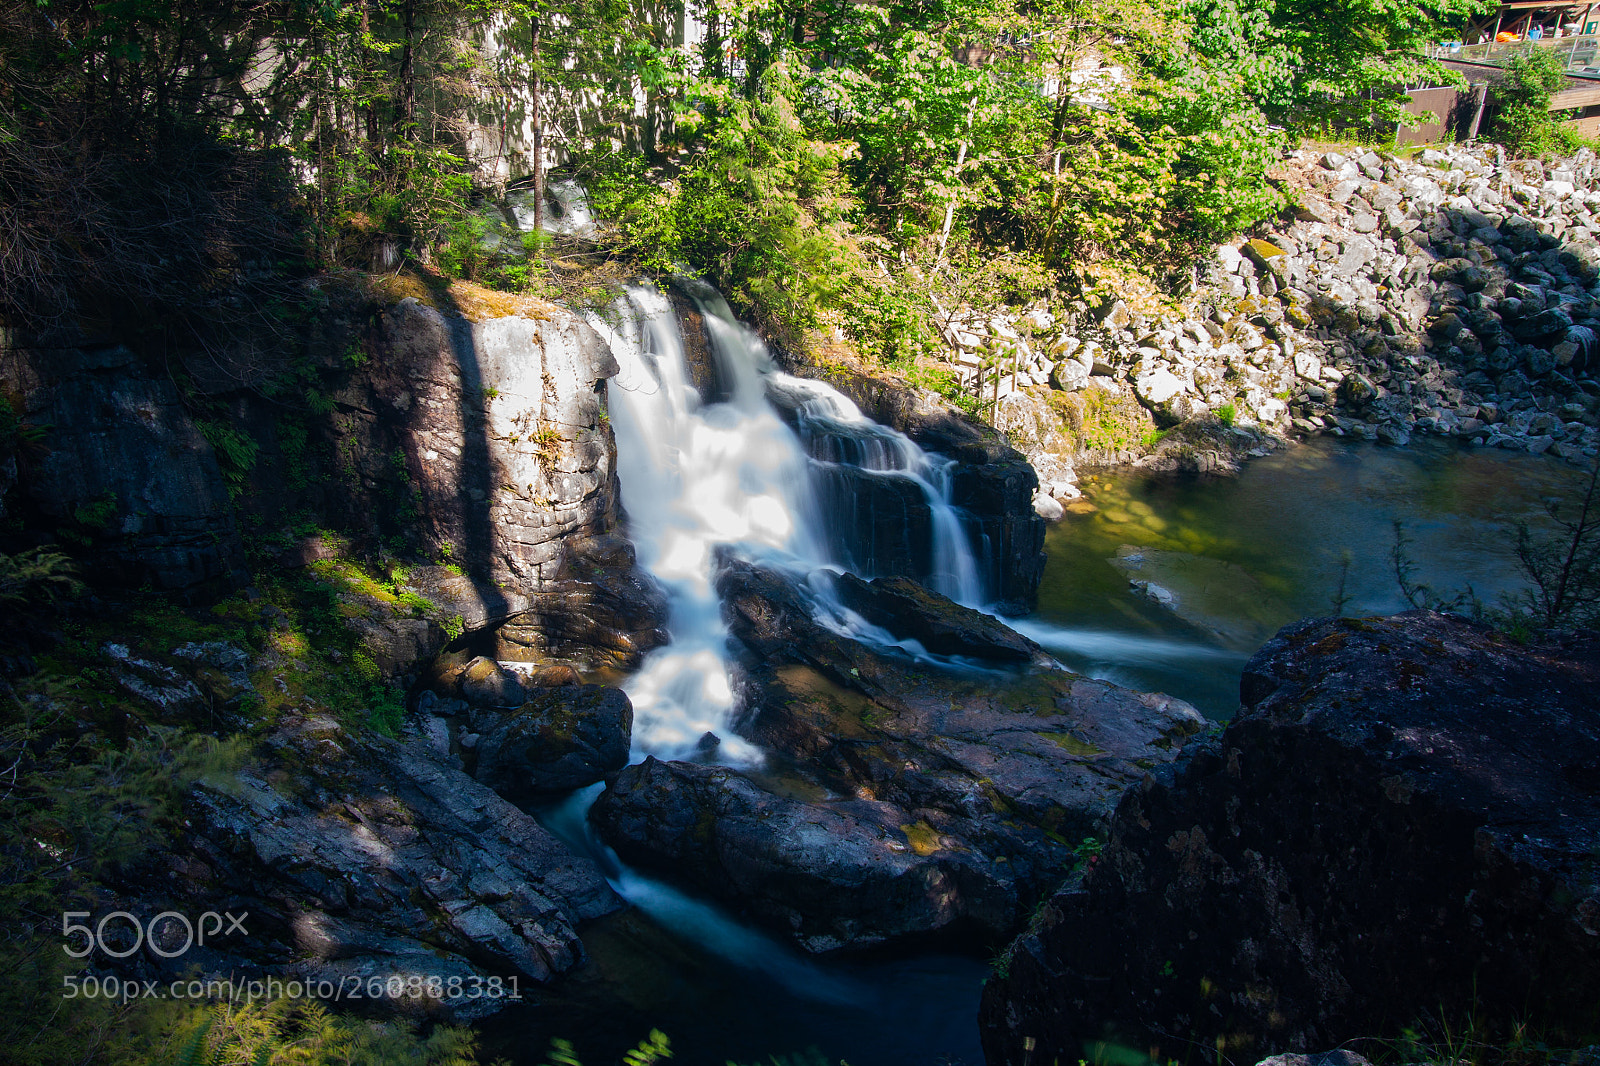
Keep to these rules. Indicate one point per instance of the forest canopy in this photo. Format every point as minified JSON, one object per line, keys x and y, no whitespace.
{"x":800,"y":152}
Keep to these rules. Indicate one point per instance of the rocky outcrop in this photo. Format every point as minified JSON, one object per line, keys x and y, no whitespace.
{"x":846,"y":872}
{"x":559,"y":739}
{"x":358,"y":857}
{"x":959,"y":793}
{"x":908,"y":610}
{"x":123,"y":468}
{"x":1401,"y":821}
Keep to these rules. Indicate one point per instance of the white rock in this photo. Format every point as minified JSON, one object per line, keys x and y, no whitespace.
{"x":1046,"y":507}
{"x":1158,"y":386}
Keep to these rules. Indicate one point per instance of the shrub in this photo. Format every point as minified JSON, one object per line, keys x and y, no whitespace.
{"x":1524,"y":122}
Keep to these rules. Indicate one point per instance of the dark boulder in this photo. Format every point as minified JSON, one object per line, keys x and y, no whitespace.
{"x":907,"y":609}
{"x":1401,"y":821}
{"x":562,"y":738}
{"x":848,"y":871}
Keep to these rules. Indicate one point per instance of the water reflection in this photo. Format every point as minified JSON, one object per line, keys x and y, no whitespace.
{"x":1164,"y":567}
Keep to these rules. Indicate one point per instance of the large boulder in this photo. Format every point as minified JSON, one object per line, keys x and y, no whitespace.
{"x":355,"y":858}
{"x":1401,"y":821}
{"x":907,"y":609}
{"x":990,"y":779}
{"x":851,"y":871}
{"x":562,"y":738}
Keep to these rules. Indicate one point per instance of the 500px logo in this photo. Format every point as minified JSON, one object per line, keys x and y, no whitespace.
{"x":169,"y":933}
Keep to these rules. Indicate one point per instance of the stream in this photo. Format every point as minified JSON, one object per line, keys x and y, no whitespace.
{"x":1159,"y":583}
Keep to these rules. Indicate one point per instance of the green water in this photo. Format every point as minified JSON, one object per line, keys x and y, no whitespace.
{"x":1242,"y":556}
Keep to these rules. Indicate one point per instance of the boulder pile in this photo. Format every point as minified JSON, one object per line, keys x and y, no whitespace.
{"x":1455,"y":294}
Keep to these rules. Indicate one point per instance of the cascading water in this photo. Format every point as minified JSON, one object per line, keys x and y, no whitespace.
{"x":696,"y":476}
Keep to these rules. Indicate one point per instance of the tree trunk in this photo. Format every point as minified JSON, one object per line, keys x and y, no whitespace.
{"x":406,"y":110}
{"x":538,"y":128}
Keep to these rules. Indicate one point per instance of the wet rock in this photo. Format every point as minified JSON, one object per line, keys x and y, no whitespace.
{"x":1400,"y":821}
{"x":944,"y":627}
{"x":847,"y":872}
{"x":560,"y":739}
{"x":996,"y":774}
{"x":993,"y":484}
{"x":485,"y":682}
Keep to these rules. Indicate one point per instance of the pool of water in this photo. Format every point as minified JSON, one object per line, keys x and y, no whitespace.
{"x":1233,"y":559}
{"x":905,"y":1007}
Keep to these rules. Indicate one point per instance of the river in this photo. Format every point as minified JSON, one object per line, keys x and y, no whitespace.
{"x":1160,"y":583}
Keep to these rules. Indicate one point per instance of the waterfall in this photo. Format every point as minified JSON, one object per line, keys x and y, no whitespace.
{"x":696,"y":476}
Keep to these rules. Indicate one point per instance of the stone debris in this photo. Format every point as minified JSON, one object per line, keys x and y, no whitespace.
{"x":1457,"y":295}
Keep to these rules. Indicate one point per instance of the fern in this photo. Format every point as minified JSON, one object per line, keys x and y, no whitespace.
{"x":37,"y":574}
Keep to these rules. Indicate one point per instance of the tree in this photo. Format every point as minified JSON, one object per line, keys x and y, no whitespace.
{"x":1310,"y":64}
{"x":1523,"y":121}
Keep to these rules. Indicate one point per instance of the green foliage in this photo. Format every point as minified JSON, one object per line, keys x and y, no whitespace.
{"x":285,"y":1030}
{"x":1089,"y":848}
{"x":16,"y":435}
{"x":236,"y":451}
{"x":651,"y":1050}
{"x":1226,"y":413}
{"x":87,"y":807}
{"x":35,"y":576}
{"x":387,"y":711}
{"x":98,"y":513}
{"x":1311,"y":65}
{"x":1523,"y":121}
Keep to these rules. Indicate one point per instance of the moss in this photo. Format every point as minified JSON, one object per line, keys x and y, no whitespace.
{"x":1072,"y":745}
{"x":847,"y":714}
{"x":923,"y":838}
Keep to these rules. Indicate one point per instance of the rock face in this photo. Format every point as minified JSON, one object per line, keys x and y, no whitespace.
{"x":470,"y":433}
{"x":126,"y":469}
{"x":1403,"y":819}
{"x":562,"y":738}
{"x":954,"y":795}
{"x":364,"y":857}
{"x":499,"y":424}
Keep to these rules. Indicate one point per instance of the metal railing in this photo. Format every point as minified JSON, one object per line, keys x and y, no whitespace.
{"x":1581,"y":54}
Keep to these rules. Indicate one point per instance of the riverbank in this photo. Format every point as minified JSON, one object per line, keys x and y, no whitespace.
{"x":1452,"y":295}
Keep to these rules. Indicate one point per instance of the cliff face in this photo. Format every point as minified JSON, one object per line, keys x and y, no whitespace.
{"x":477,"y":439}
{"x":125,"y":465}
{"x":503,"y":460}
{"x":1403,"y":820}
